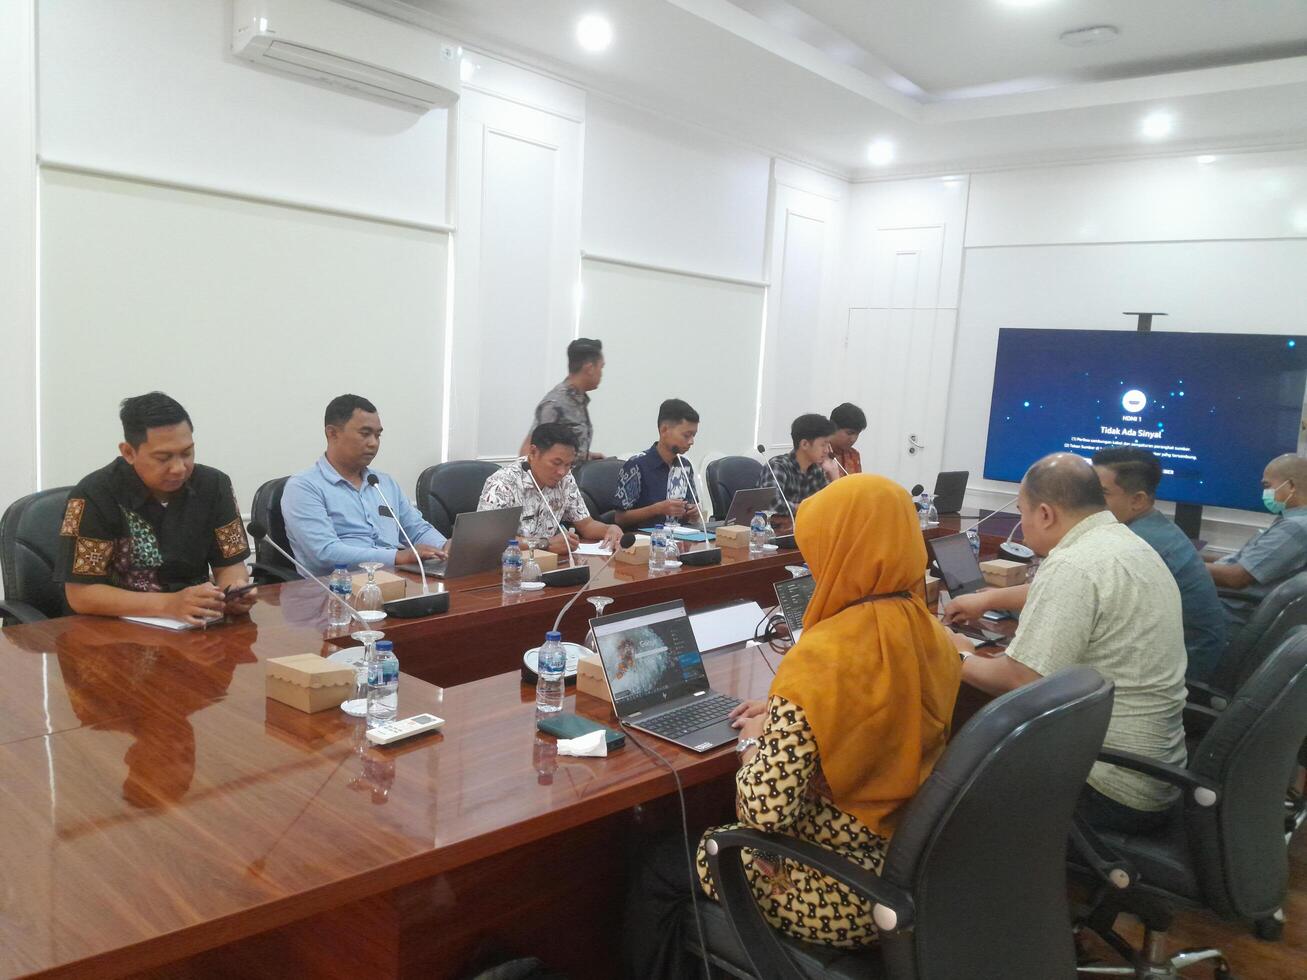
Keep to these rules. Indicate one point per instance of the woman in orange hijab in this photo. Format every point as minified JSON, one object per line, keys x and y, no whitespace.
{"x":858,"y":712}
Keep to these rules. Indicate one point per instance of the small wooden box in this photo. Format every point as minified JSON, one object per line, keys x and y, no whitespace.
{"x":547,"y":560}
{"x":932,"y":591}
{"x":637,"y":554}
{"x":590,"y":678}
{"x":309,"y":682}
{"x":392,"y":586}
{"x":733,"y":536}
{"x":1001,"y":572}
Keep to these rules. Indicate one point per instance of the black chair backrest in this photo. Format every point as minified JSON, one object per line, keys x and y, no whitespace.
{"x":1250,"y":753}
{"x":1284,"y":607}
{"x":29,"y":547}
{"x":982,"y":846}
{"x":266,"y":510}
{"x":728,"y":474}
{"x":448,"y":489}
{"x":598,"y":482}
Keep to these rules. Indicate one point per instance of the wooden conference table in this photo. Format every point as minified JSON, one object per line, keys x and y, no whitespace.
{"x":163,"y":818}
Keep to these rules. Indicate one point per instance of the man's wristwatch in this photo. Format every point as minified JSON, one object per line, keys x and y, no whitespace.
{"x":745,"y":744}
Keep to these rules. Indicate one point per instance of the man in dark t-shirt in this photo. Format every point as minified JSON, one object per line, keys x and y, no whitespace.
{"x":140,"y":535}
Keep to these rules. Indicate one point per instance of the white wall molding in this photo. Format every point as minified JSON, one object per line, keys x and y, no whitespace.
{"x":652,"y":267}
{"x":239,"y":194}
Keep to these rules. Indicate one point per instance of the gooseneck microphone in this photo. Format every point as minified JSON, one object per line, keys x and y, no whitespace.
{"x":710,"y":554}
{"x":781,"y":540}
{"x":628,"y":539}
{"x":995,"y":513}
{"x":836,"y":460}
{"x":410,"y":607}
{"x":260,"y":533}
{"x":576,"y":574}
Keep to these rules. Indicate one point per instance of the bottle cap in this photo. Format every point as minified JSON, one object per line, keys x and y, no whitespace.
{"x":385,"y":646}
{"x":341,"y":566}
{"x":512,"y":542}
{"x":553,"y":636}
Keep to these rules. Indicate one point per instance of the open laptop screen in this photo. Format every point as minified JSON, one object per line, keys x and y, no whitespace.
{"x":650,"y":656}
{"x":957,"y":564}
{"x":793,"y":595}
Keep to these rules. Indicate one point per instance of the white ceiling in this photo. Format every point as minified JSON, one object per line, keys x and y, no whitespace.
{"x":955,"y":84}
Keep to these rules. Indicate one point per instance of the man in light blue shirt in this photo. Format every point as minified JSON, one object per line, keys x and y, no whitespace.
{"x":1130,"y":477}
{"x":334,"y":517}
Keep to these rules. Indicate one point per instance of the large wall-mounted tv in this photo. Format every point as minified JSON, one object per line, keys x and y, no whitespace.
{"x":1215,"y":407}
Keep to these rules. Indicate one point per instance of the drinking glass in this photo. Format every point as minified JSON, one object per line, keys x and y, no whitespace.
{"x":600,"y":602}
{"x":369,"y":598}
{"x":358,"y":705}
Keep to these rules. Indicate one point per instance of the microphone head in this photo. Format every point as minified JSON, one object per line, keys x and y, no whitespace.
{"x":526,"y":466}
{"x":916,"y":491}
{"x":762,"y":449}
{"x":628,"y":539}
{"x":373,"y":479}
{"x":257,"y":530}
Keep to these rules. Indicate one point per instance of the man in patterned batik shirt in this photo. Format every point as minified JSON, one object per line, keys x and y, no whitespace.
{"x":541,"y":483}
{"x":140,"y":536}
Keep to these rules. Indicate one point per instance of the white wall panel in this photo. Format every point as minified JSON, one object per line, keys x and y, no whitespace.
{"x":252,"y":316}
{"x":1254,"y":195}
{"x":149,"y":87}
{"x":671,"y":196}
{"x":672,"y":336}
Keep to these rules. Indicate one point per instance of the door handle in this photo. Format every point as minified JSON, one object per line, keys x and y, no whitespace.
{"x":913,"y":445}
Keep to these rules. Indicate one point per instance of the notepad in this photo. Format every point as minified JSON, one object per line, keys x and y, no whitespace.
{"x":593,"y":550}
{"x":684,"y":533}
{"x":163,"y":622}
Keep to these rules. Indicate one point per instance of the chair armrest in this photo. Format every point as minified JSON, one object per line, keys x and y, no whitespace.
{"x":1204,"y":791}
{"x":1198,"y":719}
{"x":22,"y":612}
{"x":1110,"y":866}
{"x":1206,"y":696}
{"x":270,"y":574}
{"x":893,"y":908}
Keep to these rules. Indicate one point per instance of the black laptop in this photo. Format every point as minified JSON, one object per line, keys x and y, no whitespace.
{"x":793,"y":594}
{"x":957,"y":564}
{"x":655,"y":673}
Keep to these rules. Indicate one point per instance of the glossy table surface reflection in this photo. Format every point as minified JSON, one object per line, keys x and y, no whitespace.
{"x":158,"y":804}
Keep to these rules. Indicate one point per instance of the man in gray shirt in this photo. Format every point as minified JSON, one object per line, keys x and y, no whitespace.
{"x":1103,"y":598}
{"x":1273,"y":555}
{"x":568,"y":401}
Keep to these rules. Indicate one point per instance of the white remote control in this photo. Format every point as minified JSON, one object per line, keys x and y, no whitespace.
{"x":408,"y":727}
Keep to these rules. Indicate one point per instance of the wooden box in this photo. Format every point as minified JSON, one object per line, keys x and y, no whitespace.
{"x":637,"y":554}
{"x":590,"y":678}
{"x":733,"y":536}
{"x":392,"y":586}
{"x":309,"y":682}
{"x":547,"y":560}
{"x":932,"y":591}
{"x":1001,"y":572}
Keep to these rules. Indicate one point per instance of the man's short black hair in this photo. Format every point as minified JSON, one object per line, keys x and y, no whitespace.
{"x":341,"y":409}
{"x":811,"y":426}
{"x":676,"y":411}
{"x":583,"y":351}
{"x":1136,"y":469}
{"x":1065,"y":481}
{"x":549,"y":434}
{"x":155,"y":410}
{"x":849,"y":416}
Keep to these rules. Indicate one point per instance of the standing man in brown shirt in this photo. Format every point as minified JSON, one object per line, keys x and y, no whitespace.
{"x":568,"y":401}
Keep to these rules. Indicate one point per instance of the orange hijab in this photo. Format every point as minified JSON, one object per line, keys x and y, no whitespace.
{"x":876,"y":680}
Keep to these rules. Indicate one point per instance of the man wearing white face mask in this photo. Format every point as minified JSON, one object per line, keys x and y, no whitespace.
{"x":1275,"y":554}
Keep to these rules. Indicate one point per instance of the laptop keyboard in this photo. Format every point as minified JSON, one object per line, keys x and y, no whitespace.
{"x":691,"y":717}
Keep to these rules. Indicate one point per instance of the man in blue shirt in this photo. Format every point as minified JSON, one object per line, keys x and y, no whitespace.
{"x":1130,"y":477}
{"x":334,"y":517}
{"x":1275,"y":554}
{"x":655,"y":484}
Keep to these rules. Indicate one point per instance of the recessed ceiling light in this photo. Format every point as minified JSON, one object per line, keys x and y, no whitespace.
{"x":467,"y":68}
{"x":1023,"y":3}
{"x":1083,"y":37}
{"x":880,"y":153}
{"x":1206,"y":158}
{"x":1157,"y":125}
{"x":594,"y":32}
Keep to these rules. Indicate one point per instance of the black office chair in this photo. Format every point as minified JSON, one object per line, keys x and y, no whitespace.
{"x":268,"y":566}
{"x":974,"y":883}
{"x":725,"y":476}
{"x":29,"y":547}
{"x":598,"y":483}
{"x":1224,"y":850}
{"x":448,"y":489}
{"x":1283,"y":609}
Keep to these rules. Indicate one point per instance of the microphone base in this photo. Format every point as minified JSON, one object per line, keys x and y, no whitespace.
{"x":416,"y":606}
{"x":560,"y":577}
{"x":1016,"y":552}
{"x":784,"y":541}
{"x":708,"y":556}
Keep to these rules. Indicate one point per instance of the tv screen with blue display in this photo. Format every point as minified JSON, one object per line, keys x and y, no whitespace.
{"x":1214,"y":407}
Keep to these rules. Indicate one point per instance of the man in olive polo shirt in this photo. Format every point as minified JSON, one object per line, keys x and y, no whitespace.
{"x":140,"y":536}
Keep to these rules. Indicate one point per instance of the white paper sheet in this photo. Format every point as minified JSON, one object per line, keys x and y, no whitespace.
{"x":717,"y":628}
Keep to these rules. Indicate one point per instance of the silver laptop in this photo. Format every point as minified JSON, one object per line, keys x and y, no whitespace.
{"x":477,"y":544}
{"x":745,"y":504}
{"x":656,"y":675}
{"x":793,"y":595}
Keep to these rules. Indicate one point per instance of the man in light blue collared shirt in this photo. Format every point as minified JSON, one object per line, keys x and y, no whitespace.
{"x":334,"y":517}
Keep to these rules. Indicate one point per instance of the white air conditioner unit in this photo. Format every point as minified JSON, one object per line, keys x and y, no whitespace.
{"x":348,"y":47}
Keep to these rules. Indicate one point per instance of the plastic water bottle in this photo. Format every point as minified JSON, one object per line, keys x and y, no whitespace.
{"x":551,"y":663}
{"x":973,"y":538}
{"x":342,"y":587}
{"x":512,"y":568}
{"x":757,"y":534}
{"x":383,"y":685}
{"x":658,"y":549}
